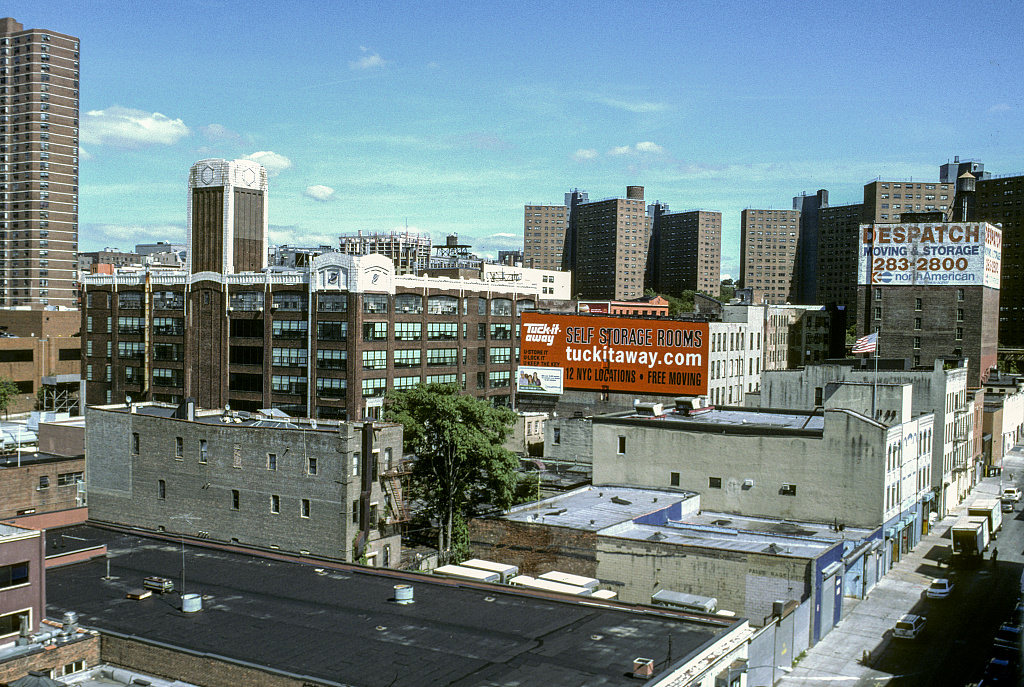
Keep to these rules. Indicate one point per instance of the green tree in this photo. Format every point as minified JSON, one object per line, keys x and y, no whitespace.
{"x":8,"y":394}
{"x":460,"y":463}
{"x":727,"y":290}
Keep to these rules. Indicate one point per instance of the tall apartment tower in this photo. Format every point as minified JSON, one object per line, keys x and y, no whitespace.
{"x":38,"y":167}
{"x":1001,"y":201}
{"x":807,"y":245}
{"x":885,"y":202}
{"x":685,"y":251}
{"x":611,"y":239}
{"x":768,"y":254}
{"x":544,"y":235}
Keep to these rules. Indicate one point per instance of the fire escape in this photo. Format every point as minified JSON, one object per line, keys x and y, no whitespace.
{"x":397,"y":510}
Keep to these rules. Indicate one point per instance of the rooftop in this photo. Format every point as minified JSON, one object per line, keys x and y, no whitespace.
{"x":732,"y":417}
{"x":339,"y":624}
{"x":649,"y":514}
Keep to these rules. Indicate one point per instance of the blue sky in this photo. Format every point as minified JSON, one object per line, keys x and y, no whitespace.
{"x":450,"y":116}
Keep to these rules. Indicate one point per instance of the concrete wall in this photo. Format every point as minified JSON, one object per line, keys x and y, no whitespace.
{"x":125,"y":489}
{"x":839,"y":471}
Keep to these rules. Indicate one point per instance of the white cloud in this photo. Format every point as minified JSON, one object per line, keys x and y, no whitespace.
{"x":274,"y":163}
{"x":649,"y":147}
{"x":297,"y":236}
{"x":83,"y":154}
{"x":584,"y":154}
{"x":369,"y":60}
{"x":641,"y":147}
{"x":319,"y":192}
{"x":638,"y":106}
{"x":130,"y":234}
{"x":128,"y":128}
{"x":1001,"y":107}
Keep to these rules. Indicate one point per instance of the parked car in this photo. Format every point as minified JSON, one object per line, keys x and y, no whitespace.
{"x":1007,"y":505}
{"x":1008,"y":637}
{"x":909,"y":626}
{"x":1017,"y":615}
{"x":1011,"y":493}
{"x":940,"y":588}
{"x":999,"y":671}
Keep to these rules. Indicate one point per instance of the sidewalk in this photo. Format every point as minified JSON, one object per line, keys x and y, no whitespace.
{"x":838,"y":658}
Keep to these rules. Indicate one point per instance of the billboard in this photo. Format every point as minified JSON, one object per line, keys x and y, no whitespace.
{"x":930,"y":254}
{"x":539,"y":380}
{"x":619,"y":354}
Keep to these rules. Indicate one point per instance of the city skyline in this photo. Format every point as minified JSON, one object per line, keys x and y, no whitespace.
{"x":366,"y":117}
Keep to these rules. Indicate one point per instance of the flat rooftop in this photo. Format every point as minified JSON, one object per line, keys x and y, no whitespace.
{"x":339,"y":624}
{"x":651,"y":514}
{"x":751,"y":418}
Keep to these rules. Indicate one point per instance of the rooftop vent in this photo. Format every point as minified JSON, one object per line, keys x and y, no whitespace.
{"x":643,"y":668}
{"x":404,"y":594}
{"x":648,"y":409}
{"x":692,"y":405}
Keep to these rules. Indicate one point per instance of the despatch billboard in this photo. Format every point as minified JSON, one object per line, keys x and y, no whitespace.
{"x":620,"y":354}
{"x":942,"y":254}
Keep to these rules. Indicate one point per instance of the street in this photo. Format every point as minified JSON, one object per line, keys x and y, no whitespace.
{"x":957,"y":642}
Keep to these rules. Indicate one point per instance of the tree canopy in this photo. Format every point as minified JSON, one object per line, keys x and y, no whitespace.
{"x":460,"y":463}
{"x":8,"y":394}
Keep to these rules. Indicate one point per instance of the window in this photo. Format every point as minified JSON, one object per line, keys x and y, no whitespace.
{"x":960,"y":315}
{"x":375,"y":360}
{"x":959,"y":333}
{"x":403,"y":383}
{"x":442,"y":305}
{"x":501,"y":356}
{"x":236,"y":499}
{"x":135,"y":443}
{"x":295,"y":302}
{"x":75,"y":667}
{"x":959,"y":294}
{"x":374,"y":387}
{"x":442,"y":331}
{"x":161,"y":489}
{"x":12,"y":576}
{"x":332,"y":331}
{"x":407,"y":358}
{"x":878,"y":294}
{"x":375,"y":303}
{"x":179,"y":447}
{"x":673,"y":479}
{"x":714,"y":482}
{"x":331,"y":387}
{"x":271,"y":461}
{"x":558,"y":435}
{"x":311,"y":465}
{"x":917,"y":304}
{"x":168,"y":326}
{"x":305,"y":508}
{"x":332,"y":302}
{"x":332,"y":359}
{"x":289,"y":357}
{"x":501,"y":307}
{"x":788,"y":490}
{"x":290,"y":329}
{"x":375,"y":331}
{"x":203,"y":451}
{"x":409,"y":303}
{"x":408,"y":331}
{"x":44,"y":481}
{"x":878,"y":313}
{"x":68,"y":478}
{"x":445,"y":357}
{"x":622,"y":445}
{"x":275,"y":503}
{"x":917,"y":323}
{"x":501,"y":332}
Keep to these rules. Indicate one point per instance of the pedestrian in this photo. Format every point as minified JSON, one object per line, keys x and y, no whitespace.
{"x":995,"y":553}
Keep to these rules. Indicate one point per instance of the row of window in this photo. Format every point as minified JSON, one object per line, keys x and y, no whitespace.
{"x":305,"y":506}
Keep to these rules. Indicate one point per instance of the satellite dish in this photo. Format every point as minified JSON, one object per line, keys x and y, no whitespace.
{"x":128,"y":400}
{"x":227,"y":407}
{"x":312,"y":423}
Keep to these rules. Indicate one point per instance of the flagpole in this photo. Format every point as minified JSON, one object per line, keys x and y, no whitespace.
{"x":874,"y":392}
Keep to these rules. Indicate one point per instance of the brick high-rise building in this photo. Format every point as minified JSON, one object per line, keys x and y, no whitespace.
{"x":768,"y":257}
{"x":1001,"y":201}
{"x":544,"y":235}
{"x":611,"y":239}
{"x":38,"y":166}
{"x":685,"y":251}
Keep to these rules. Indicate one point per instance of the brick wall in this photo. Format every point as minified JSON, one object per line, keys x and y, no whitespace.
{"x":53,"y":658}
{"x":205,"y":670}
{"x":535,"y":549}
{"x":20,"y":487}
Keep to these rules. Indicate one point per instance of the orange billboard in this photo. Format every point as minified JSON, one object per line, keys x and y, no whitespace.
{"x":619,"y":354}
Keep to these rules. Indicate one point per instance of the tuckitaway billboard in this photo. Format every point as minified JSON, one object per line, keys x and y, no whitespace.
{"x":618,"y":354}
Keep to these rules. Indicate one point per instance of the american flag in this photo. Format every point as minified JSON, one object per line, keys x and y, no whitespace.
{"x":866,"y":344}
